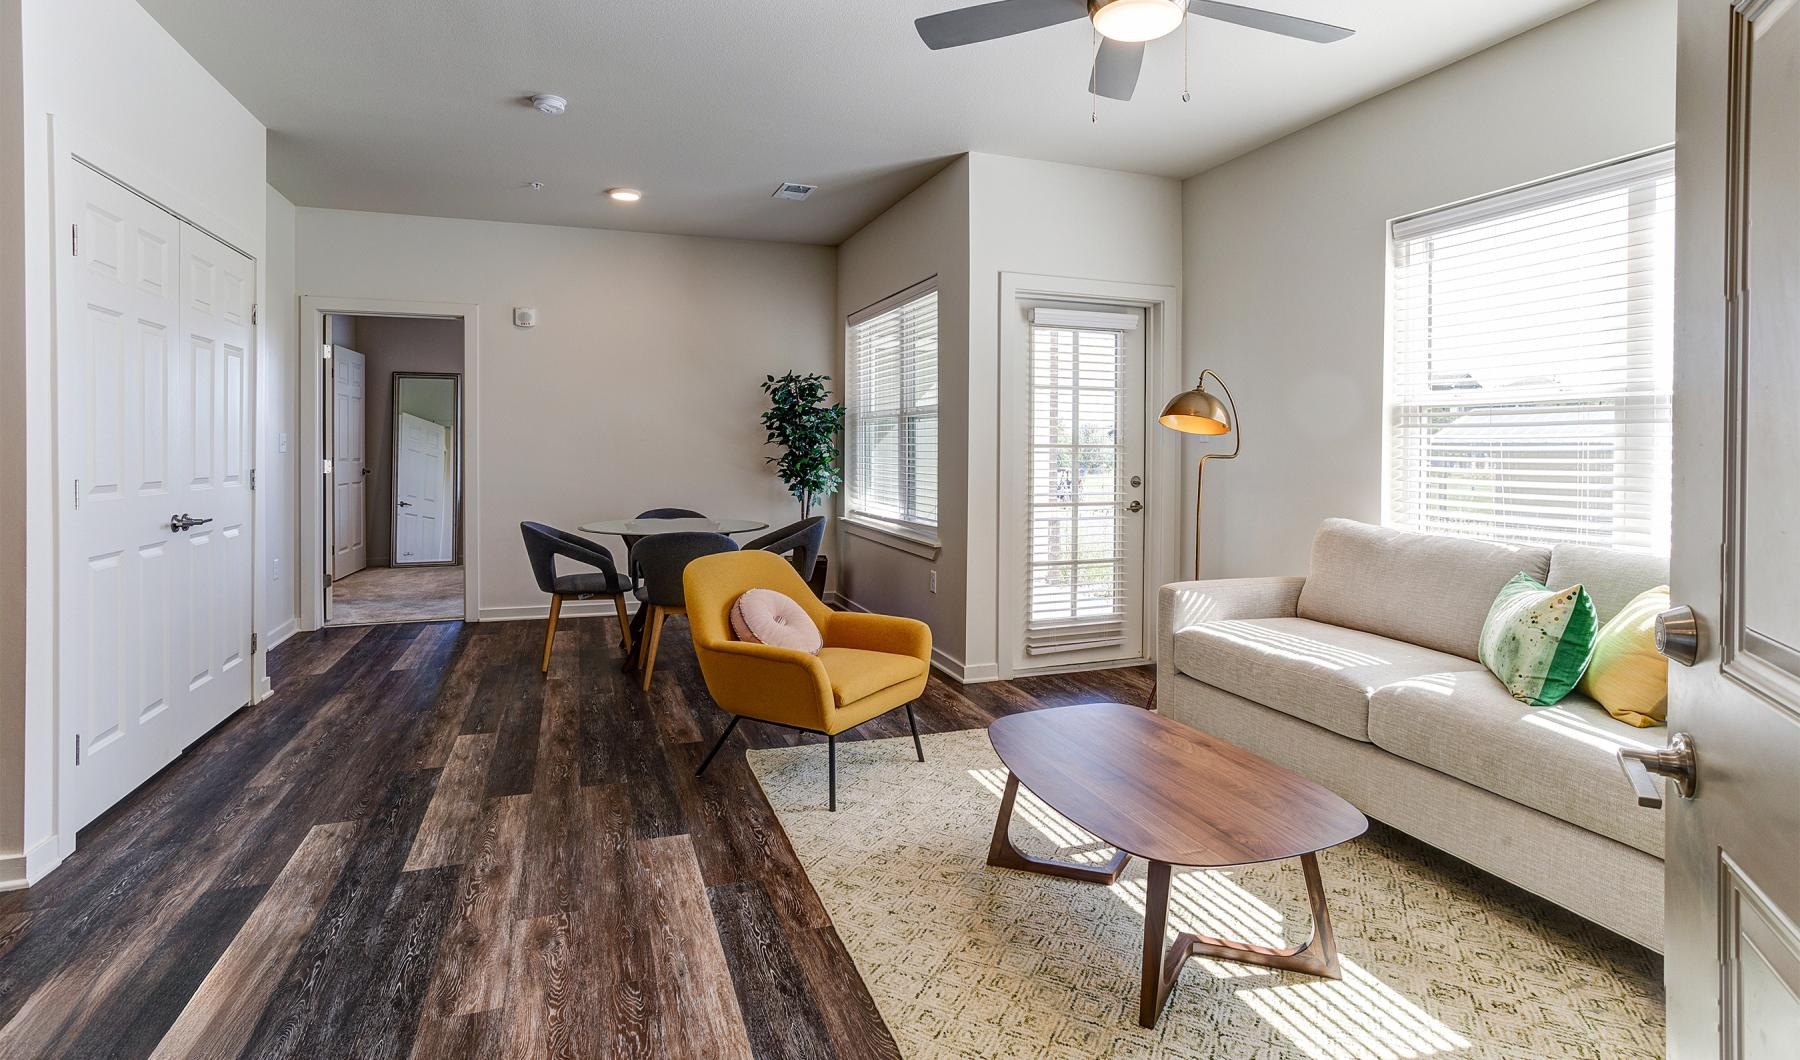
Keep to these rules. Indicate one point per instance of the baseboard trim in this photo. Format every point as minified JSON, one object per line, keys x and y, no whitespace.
{"x":603,"y":608}
{"x":19,"y":871}
{"x":282,"y":632}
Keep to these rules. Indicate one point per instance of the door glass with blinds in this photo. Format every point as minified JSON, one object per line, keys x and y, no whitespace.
{"x":1084,"y":465}
{"x":1532,"y":364}
{"x":891,"y":415}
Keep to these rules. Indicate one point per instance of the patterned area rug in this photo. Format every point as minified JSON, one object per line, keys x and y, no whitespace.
{"x":968,"y":961}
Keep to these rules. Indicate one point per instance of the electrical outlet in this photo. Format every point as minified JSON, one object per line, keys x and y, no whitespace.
{"x":932,"y":580}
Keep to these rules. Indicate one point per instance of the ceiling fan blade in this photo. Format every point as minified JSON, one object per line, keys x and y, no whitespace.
{"x":1003,"y":18}
{"x":1269,"y":21}
{"x":1116,"y":67}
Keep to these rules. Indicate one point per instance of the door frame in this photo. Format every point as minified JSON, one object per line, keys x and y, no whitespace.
{"x":71,"y":147}
{"x":312,"y":342}
{"x":1161,"y":306}
{"x":456,"y":464}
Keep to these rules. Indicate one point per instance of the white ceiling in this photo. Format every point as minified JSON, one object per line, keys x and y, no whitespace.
{"x":414,"y":106}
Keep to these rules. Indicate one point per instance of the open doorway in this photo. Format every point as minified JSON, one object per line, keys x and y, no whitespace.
{"x":394,"y":444}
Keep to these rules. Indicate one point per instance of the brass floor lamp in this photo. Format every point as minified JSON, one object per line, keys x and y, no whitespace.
{"x":1198,"y":412}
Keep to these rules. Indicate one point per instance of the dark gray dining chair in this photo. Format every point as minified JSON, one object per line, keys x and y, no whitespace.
{"x":800,"y":542}
{"x":542,"y":545}
{"x":654,"y":513}
{"x":661,"y":559}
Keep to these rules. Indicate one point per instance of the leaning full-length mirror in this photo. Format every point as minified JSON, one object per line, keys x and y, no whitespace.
{"x":427,"y":434}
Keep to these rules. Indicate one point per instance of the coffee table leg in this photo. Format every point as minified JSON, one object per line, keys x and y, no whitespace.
{"x":1318,"y":957}
{"x":1002,"y":853}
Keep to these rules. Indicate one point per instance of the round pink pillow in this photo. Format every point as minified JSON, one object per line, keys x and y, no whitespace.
{"x":764,"y":616}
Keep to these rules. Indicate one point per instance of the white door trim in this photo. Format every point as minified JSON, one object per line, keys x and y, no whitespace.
{"x":313,"y":310}
{"x":1161,"y":305}
{"x":69,"y":142}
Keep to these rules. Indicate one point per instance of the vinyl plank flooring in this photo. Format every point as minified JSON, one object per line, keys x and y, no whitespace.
{"x":422,"y":846}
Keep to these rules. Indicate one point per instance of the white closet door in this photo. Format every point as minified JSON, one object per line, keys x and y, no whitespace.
{"x":349,"y":463}
{"x":212,"y":402}
{"x":117,"y":456}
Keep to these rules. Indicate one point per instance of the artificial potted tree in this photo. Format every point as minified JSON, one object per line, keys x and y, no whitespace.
{"x":804,"y":421}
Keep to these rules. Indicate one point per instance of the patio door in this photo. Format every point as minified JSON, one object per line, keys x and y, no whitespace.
{"x":1083,"y":555}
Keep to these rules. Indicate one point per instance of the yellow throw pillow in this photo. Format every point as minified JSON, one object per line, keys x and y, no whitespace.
{"x":1627,"y":676}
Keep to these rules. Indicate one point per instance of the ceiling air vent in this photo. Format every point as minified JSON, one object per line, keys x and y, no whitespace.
{"x":795,"y":192}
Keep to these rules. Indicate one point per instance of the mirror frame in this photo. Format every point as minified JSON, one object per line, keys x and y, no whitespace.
{"x":456,"y":456}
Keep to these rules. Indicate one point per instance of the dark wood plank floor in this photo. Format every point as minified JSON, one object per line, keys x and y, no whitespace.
{"x":421,"y":847}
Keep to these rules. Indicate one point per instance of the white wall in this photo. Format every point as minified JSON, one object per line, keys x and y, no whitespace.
{"x":279,"y":412}
{"x":982,"y":216}
{"x":1286,"y":254}
{"x":120,"y":87}
{"x":638,"y":386}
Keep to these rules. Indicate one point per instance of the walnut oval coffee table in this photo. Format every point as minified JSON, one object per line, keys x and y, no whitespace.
{"x":1155,"y":789}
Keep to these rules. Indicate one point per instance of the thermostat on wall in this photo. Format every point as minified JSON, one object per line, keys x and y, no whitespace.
{"x":524,"y":316}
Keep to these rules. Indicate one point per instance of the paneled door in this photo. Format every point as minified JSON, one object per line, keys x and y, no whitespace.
{"x":349,"y":460}
{"x":213,"y":398}
{"x":1083,"y":575}
{"x":1732,"y":958}
{"x":421,"y":528}
{"x":153,"y":418}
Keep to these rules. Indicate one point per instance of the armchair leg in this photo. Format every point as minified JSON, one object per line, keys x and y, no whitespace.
{"x":831,"y":770}
{"x":550,"y":629}
{"x":913,"y":724}
{"x":726,"y":735}
{"x":624,"y":622}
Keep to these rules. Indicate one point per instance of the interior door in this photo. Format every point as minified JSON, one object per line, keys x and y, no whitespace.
{"x":1733,"y":878}
{"x":349,"y":463}
{"x":117,"y":453}
{"x":213,"y":449}
{"x":420,"y":520}
{"x":1083,"y":573}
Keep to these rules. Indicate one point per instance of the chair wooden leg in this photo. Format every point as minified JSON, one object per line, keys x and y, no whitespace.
{"x":831,"y":770}
{"x":550,"y":629}
{"x":624,"y":623}
{"x":652,"y":637}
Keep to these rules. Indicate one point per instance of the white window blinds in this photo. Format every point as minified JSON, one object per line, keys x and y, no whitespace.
{"x":1529,"y":387}
{"x":1076,"y":559}
{"x":891,"y":422}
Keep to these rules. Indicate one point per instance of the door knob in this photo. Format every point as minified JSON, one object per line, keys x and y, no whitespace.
{"x":185,"y":521}
{"x":1135,"y":506}
{"x":1675,"y":761}
{"x":1678,"y":635}
{"x":406,"y":504}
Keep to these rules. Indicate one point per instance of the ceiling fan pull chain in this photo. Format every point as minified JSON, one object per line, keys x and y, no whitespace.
{"x":1187,"y":55}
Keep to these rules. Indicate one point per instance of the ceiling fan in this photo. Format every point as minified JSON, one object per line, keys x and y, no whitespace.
{"x":1124,"y":25}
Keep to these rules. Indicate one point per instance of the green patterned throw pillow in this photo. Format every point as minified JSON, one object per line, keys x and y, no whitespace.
{"x":1538,"y":641}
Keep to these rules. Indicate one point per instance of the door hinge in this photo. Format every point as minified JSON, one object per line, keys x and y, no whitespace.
{"x":77,"y":748}
{"x":328,"y":580}
{"x":77,"y":494}
{"x":327,"y":352}
{"x":252,"y":480}
{"x":75,"y":241}
{"x":326,"y":464}
{"x":253,"y":642}
{"x":254,"y":308}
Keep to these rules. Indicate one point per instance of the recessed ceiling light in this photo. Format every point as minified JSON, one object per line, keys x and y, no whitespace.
{"x":624,"y":194}
{"x":796,"y":192}
{"x":548,"y":104}
{"x":535,"y":185}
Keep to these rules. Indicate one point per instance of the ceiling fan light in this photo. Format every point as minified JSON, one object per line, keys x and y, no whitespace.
{"x":1133,"y":21}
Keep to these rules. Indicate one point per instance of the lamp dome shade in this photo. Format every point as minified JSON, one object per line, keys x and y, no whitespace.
{"x":1196,"y":412}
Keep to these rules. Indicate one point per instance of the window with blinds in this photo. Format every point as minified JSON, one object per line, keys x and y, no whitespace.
{"x":891,"y":416}
{"x":1076,"y":557}
{"x":1532,"y":363}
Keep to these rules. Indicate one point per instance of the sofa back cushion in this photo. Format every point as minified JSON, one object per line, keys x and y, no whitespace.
{"x":1426,"y":589}
{"x":1612,"y":578}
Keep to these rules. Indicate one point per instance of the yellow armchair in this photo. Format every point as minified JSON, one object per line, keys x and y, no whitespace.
{"x":869,"y":665}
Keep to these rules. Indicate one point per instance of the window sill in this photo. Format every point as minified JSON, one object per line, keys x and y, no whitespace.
{"x":894,"y":537}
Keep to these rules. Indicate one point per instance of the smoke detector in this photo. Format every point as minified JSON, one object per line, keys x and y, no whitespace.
{"x":548,"y":104}
{"x":796,"y":192}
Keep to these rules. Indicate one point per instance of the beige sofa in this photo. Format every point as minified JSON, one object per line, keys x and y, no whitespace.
{"x":1363,"y":676}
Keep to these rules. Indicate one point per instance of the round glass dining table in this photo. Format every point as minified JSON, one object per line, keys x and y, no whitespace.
{"x":650,"y":527}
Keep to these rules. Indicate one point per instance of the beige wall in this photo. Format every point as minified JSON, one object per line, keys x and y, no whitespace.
{"x":638,"y":386}
{"x":396,"y":344}
{"x":1286,"y":254}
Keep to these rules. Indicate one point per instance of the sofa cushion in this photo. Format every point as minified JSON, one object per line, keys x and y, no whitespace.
{"x":1612,"y":578}
{"x":1316,"y":672}
{"x":1424,"y":588}
{"x":1560,"y":760}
